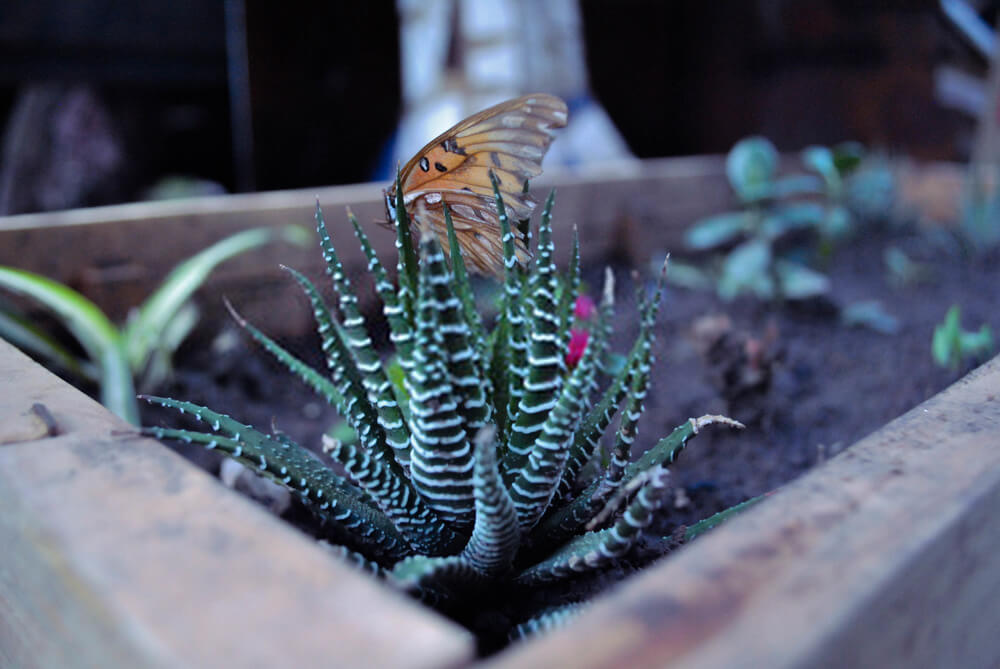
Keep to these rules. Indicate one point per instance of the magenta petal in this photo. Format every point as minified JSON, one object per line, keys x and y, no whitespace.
{"x":584,"y":307}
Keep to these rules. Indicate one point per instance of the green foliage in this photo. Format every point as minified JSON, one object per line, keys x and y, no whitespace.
{"x":870,"y":314}
{"x":979,"y":225}
{"x":466,"y":472}
{"x":754,"y":258}
{"x":140,"y":351}
{"x":903,"y":271}
{"x":951,"y":345}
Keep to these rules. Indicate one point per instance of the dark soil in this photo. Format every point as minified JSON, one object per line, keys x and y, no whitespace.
{"x":806,"y":386}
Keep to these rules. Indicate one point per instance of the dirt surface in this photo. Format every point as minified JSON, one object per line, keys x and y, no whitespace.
{"x":806,"y":386}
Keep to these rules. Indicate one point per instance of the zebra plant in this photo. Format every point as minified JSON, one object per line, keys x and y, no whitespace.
{"x":483,"y":466}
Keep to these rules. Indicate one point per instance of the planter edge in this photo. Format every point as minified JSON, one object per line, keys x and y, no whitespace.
{"x":117,"y":552}
{"x":886,"y":555}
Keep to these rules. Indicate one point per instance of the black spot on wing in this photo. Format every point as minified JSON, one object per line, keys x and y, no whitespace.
{"x":439,"y":167}
{"x":451,"y":146}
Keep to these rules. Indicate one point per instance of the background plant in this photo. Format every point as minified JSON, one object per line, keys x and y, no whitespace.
{"x":468,"y":480}
{"x":951,"y":345}
{"x":140,"y":352}
{"x":757,"y":250}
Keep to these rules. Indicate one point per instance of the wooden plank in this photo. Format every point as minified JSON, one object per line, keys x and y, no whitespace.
{"x":632,"y":211}
{"x":117,"y":552}
{"x":886,"y":556}
{"x":117,"y":254}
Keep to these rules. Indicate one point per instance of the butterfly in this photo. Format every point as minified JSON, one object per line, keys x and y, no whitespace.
{"x":510,"y":139}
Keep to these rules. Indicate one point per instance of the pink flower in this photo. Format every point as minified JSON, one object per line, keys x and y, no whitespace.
{"x":577,"y":345}
{"x":584,"y":307}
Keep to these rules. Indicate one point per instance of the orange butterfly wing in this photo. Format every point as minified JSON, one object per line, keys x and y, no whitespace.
{"x":510,"y":139}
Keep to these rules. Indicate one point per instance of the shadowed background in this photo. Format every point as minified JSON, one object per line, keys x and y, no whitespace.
{"x":104,"y":100}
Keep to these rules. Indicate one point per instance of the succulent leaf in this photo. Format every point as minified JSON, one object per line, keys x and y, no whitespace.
{"x":373,"y":376}
{"x":328,"y":496}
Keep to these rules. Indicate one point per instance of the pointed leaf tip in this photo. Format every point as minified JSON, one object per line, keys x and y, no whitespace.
{"x":242,"y":322}
{"x":711,"y":419}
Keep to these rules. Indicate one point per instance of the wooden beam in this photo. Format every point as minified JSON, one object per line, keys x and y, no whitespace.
{"x":118,"y":552}
{"x":631,"y":212}
{"x":116,"y":255}
{"x":886,"y":556}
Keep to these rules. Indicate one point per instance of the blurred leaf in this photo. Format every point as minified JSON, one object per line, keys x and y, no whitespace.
{"x":798,"y":184}
{"x":798,"y":282}
{"x":847,"y":156}
{"x":703,"y":526}
{"x":945,"y":343}
{"x":871,"y":191}
{"x":98,"y":336}
{"x":149,"y":322}
{"x":951,"y":344}
{"x":20,"y":331}
{"x":688,"y":276}
{"x":870,"y":314}
{"x":159,"y":364}
{"x":614,"y":363}
{"x":717,"y":230}
{"x":792,"y":216}
{"x":836,"y":224}
{"x":980,"y":220}
{"x":903,"y":271}
{"x":397,"y":376}
{"x":820,"y":159}
{"x":745,"y":269}
{"x":343,"y":432}
{"x":751,"y":166}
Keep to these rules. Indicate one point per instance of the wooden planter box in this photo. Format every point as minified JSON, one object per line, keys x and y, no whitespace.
{"x":117,"y":552}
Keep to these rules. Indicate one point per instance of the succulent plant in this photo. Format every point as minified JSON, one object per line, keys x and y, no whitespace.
{"x":482,"y":468}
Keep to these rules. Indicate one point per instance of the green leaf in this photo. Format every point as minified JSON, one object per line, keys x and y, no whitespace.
{"x":798,"y":282}
{"x":717,"y":230}
{"x":397,"y":376}
{"x":667,"y":449}
{"x":837,"y":223}
{"x":751,"y":166}
{"x":745,"y":269}
{"x":20,"y":331}
{"x":951,"y":344}
{"x":944,"y":344}
{"x":462,"y":286}
{"x":159,"y":364}
{"x":792,"y":216}
{"x":871,"y":191}
{"x":820,"y":159}
{"x":689,"y":276}
{"x":870,"y":314}
{"x":407,"y":264}
{"x":797,"y":184}
{"x":614,"y":363}
{"x":903,"y":271}
{"x":98,"y":335}
{"x":703,"y":526}
{"x":143,"y":333}
{"x":847,"y":156}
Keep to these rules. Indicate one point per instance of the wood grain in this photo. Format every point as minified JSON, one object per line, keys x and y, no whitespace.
{"x":117,"y":255}
{"x":632,"y":212}
{"x":118,"y":552}
{"x":886,"y":556}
